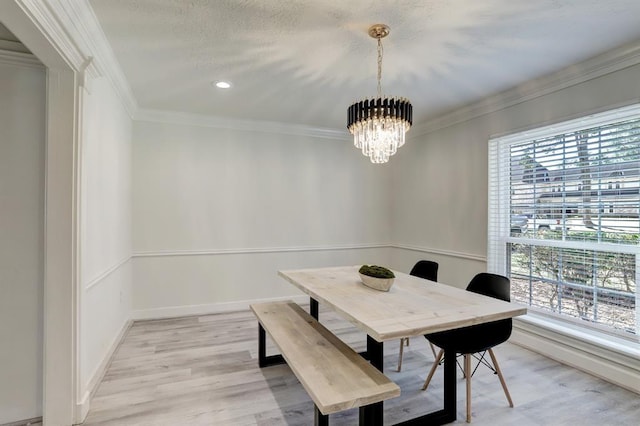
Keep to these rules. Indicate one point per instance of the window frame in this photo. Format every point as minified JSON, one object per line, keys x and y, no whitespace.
{"x":499,"y":211}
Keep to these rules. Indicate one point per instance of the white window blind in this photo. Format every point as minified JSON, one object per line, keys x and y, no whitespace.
{"x":564,"y":218}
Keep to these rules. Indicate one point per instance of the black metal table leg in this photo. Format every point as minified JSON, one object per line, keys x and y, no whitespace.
{"x":319,"y":419}
{"x":448,"y":413}
{"x":373,"y":414}
{"x":375,"y":351}
{"x":450,"y":386}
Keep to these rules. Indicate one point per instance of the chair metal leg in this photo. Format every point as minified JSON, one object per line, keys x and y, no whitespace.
{"x":401,"y":353}
{"x":504,"y":384}
{"x":433,"y":349}
{"x":467,"y":374}
{"x":433,"y":369}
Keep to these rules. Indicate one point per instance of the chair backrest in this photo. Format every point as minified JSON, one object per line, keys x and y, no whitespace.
{"x":492,"y":285}
{"x":426,"y":269}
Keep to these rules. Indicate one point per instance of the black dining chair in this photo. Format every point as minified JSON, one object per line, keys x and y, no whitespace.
{"x":428,"y":270}
{"x":478,"y":339}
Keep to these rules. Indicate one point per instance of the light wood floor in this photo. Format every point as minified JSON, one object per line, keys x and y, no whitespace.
{"x":203,"y":371}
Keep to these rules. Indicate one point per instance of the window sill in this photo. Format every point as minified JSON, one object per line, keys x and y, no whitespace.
{"x":602,"y":340}
{"x":609,"y":357}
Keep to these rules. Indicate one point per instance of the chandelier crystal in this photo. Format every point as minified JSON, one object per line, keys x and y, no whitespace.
{"x":379,"y":124}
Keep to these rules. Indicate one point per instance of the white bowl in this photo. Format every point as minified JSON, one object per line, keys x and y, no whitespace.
{"x":382,"y":284}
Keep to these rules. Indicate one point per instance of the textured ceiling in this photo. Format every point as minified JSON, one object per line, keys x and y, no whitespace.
{"x":306,"y":61}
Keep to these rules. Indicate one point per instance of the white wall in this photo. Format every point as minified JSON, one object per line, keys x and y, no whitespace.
{"x":439,"y":192}
{"x":217,"y":212}
{"x":22,"y":142}
{"x":105,"y":229}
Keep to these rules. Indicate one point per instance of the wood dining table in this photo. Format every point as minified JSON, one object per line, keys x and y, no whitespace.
{"x":412,"y":307}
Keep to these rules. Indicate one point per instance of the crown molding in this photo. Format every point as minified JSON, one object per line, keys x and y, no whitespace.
{"x":75,"y":33}
{"x":189,"y":119}
{"x":20,"y":59}
{"x":46,"y":18}
{"x":83,"y":27}
{"x":598,"y":66}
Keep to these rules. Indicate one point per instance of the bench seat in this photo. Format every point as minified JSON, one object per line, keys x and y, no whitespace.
{"x":334,"y":375}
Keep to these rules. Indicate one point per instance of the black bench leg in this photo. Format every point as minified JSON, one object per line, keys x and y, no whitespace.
{"x":371,"y":415}
{"x":313,"y":307}
{"x":319,"y":418}
{"x":263,"y":359}
{"x":262,"y":342}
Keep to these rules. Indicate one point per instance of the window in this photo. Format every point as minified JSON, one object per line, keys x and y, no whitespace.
{"x":564,"y":219}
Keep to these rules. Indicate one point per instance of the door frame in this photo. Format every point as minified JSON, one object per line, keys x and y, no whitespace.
{"x":32,"y":23}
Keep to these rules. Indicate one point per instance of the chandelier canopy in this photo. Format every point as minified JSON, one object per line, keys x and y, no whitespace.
{"x":378,"y":125}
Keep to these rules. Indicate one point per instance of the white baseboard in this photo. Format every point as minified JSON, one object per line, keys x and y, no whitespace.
{"x":82,"y":407}
{"x":25,"y":422}
{"x":206,"y":309}
{"x":617,"y":365}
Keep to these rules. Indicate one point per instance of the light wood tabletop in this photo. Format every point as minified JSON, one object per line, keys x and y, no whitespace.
{"x":412,"y":307}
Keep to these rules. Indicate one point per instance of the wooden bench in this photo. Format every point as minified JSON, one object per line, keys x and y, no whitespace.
{"x":334,"y":375}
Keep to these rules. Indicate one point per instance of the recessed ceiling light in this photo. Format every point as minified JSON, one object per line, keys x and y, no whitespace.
{"x":223,"y":84}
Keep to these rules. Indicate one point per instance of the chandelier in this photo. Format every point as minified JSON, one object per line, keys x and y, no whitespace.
{"x":378,"y":125}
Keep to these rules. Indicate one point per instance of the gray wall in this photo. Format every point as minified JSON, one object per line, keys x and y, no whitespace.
{"x":22,"y":142}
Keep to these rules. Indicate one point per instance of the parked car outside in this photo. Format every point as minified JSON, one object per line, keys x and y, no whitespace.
{"x":519,"y":224}
{"x":543,"y":223}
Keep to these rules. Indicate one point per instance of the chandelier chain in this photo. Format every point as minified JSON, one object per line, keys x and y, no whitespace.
{"x":380,"y":53}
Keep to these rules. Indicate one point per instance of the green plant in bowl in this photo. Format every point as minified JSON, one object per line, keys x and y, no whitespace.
{"x":376,"y":277}
{"x":376,"y":271}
